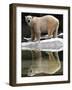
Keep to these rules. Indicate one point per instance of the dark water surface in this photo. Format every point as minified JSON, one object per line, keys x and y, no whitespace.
{"x":41,"y":63}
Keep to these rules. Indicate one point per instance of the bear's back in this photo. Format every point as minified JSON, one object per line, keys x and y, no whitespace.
{"x":49,"y":18}
{"x":46,"y":18}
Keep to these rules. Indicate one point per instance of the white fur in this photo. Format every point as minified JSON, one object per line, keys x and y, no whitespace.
{"x":38,"y":25}
{"x":28,"y":18}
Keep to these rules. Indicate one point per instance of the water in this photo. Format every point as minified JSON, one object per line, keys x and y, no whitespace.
{"x":41,"y":63}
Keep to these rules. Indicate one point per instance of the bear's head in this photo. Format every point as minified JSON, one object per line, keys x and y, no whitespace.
{"x":28,"y":20}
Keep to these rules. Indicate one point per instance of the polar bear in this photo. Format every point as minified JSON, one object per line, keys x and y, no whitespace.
{"x":38,"y":25}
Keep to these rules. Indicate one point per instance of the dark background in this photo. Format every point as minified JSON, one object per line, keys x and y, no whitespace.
{"x":26,"y":30}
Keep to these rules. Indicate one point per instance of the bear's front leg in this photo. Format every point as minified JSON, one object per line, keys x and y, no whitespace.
{"x":32,"y":35}
{"x":36,"y":32}
{"x":38,"y":36}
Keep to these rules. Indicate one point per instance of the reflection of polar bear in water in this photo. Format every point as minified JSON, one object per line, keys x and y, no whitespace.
{"x":40,"y":65}
{"x":43,"y":24}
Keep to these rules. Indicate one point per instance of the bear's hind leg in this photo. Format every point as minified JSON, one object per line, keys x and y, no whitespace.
{"x":55,"y":34}
{"x":49,"y":34}
{"x":56,"y":30}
